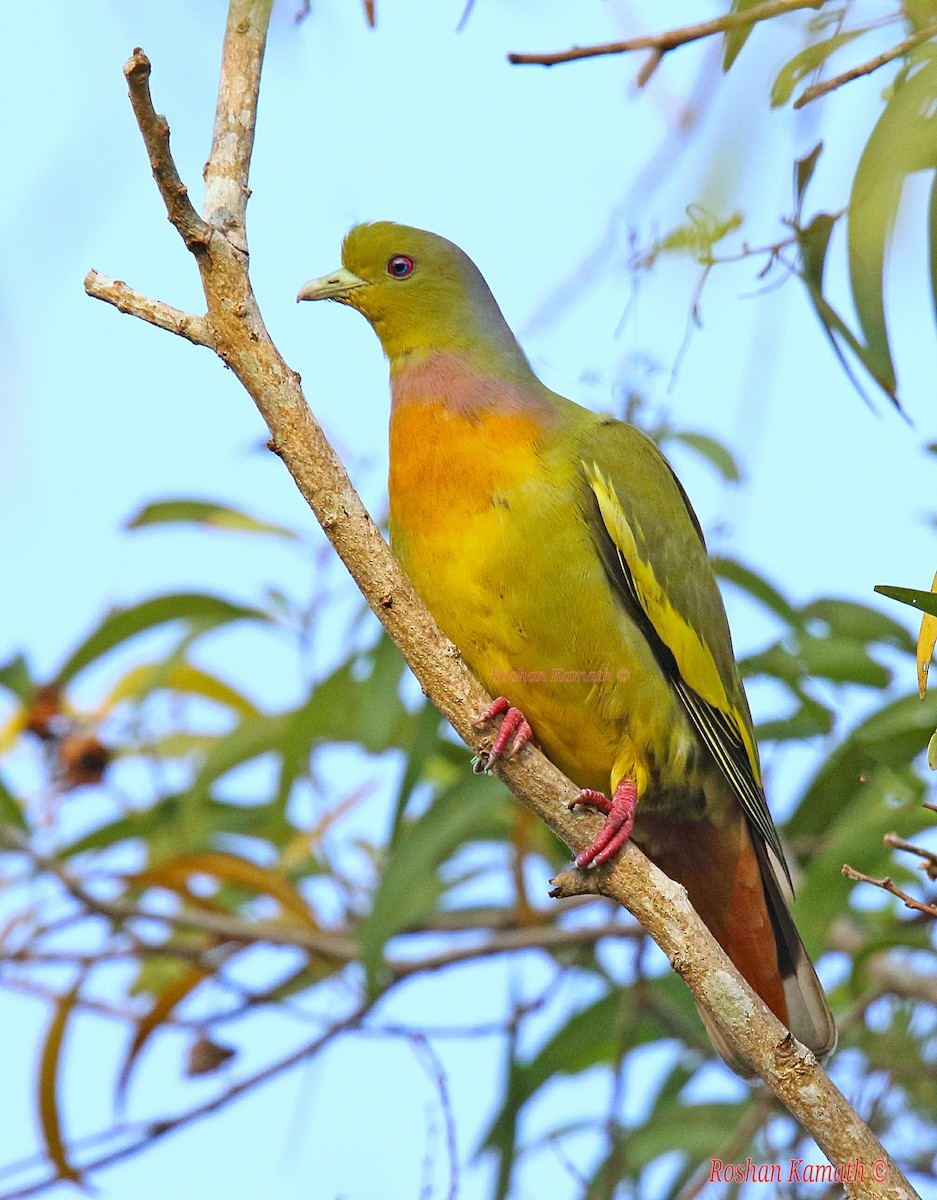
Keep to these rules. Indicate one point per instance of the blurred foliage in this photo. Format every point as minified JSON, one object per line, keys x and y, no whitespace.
{"x":902,"y":143}
{"x":181,"y":824}
{"x":192,"y":825}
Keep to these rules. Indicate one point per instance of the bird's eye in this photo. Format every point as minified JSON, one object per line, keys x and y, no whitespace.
{"x":399,"y":267}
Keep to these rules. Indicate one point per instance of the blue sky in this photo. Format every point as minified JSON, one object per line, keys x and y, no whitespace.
{"x":524,"y":168}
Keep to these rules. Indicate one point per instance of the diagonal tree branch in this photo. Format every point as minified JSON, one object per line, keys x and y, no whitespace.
{"x":660,"y":43}
{"x":816,"y":90}
{"x":241,"y":340}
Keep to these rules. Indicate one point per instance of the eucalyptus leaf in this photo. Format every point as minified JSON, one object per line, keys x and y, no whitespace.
{"x":925,"y":602}
{"x":208,"y":514}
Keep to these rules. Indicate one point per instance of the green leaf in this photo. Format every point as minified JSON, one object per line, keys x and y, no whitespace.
{"x":922,"y":601}
{"x":181,"y":677}
{"x":814,"y":242}
{"x":858,"y":622}
{"x":410,"y":884}
{"x":808,"y":721}
{"x":15,"y":677}
{"x":903,"y":141}
{"x":735,"y":39}
{"x":841,"y":661}
{"x":891,"y":737}
{"x":757,"y":587}
{"x":263,"y":734}
{"x":206,"y":513}
{"x":713,"y":451}
{"x":424,"y":746}
{"x":885,"y":802}
{"x":932,"y":752}
{"x":208,"y":611}
{"x":805,"y":62}
{"x":803,"y":173}
{"x":689,"y":1129}
{"x":11,"y":811}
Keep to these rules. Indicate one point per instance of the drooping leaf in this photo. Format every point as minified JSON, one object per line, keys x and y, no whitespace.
{"x":50,"y":1062}
{"x":903,"y":141}
{"x":715,"y":453}
{"x":805,"y":62}
{"x":803,"y":173}
{"x":208,"y":611}
{"x":735,"y":39}
{"x":814,"y":242}
{"x":253,"y":737}
{"x":229,"y":868}
{"x":932,"y":752}
{"x":757,"y":587}
{"x":689,"y":1129}
{"x":208,"y":514}
{"x":186,"y":978}
{"x":424,"y":743}
{"x":179,"y":676}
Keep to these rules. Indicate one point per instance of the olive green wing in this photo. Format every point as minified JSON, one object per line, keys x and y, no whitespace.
{"x":654,"y":554}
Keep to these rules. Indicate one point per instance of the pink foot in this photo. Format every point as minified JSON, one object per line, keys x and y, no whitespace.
{"x":514,"y":724}
{"x":619,"y":813}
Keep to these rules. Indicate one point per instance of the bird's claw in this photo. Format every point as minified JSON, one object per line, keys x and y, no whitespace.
{"x":513,"y":725}
{"x":619,"y":821}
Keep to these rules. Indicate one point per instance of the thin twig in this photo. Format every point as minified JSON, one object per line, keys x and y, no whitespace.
{"x":153,"y":1131}
{"x":661,"y":43}
{"x":887,"y":886}
{"x":895,"y":842}
{"x":154,"y":312}
{"x":340,"y":945}
{"x":547,"y":938}
{"x":866,"y":68}
{"x":431,"y":1063}
{"x":194,"y":231}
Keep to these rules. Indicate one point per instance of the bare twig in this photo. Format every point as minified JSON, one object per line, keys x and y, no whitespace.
{"x":431,"y":1064}
{"x":340,"y":944}
{"x":145,"y":1134}
{"x":865,"y":68}
{"x":154,"y":312}
{"x":155,"y":130}
{"x":895,"y":842}
{"x":887,"y":885}
{"x":661,"y":43}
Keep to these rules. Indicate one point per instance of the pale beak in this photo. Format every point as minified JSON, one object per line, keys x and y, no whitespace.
{"x":335,"y":286}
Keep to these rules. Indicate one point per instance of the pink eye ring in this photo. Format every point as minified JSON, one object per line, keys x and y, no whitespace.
{"x":400,"y":266}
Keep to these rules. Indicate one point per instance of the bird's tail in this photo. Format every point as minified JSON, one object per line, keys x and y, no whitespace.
{"x":736,"y":886}
{"x":807,"y":1013}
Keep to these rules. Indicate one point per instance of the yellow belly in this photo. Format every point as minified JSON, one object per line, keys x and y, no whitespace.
{"x":481,"y":521}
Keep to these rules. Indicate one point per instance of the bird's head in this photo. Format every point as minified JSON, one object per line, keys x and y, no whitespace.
{"x":420,"y":293}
